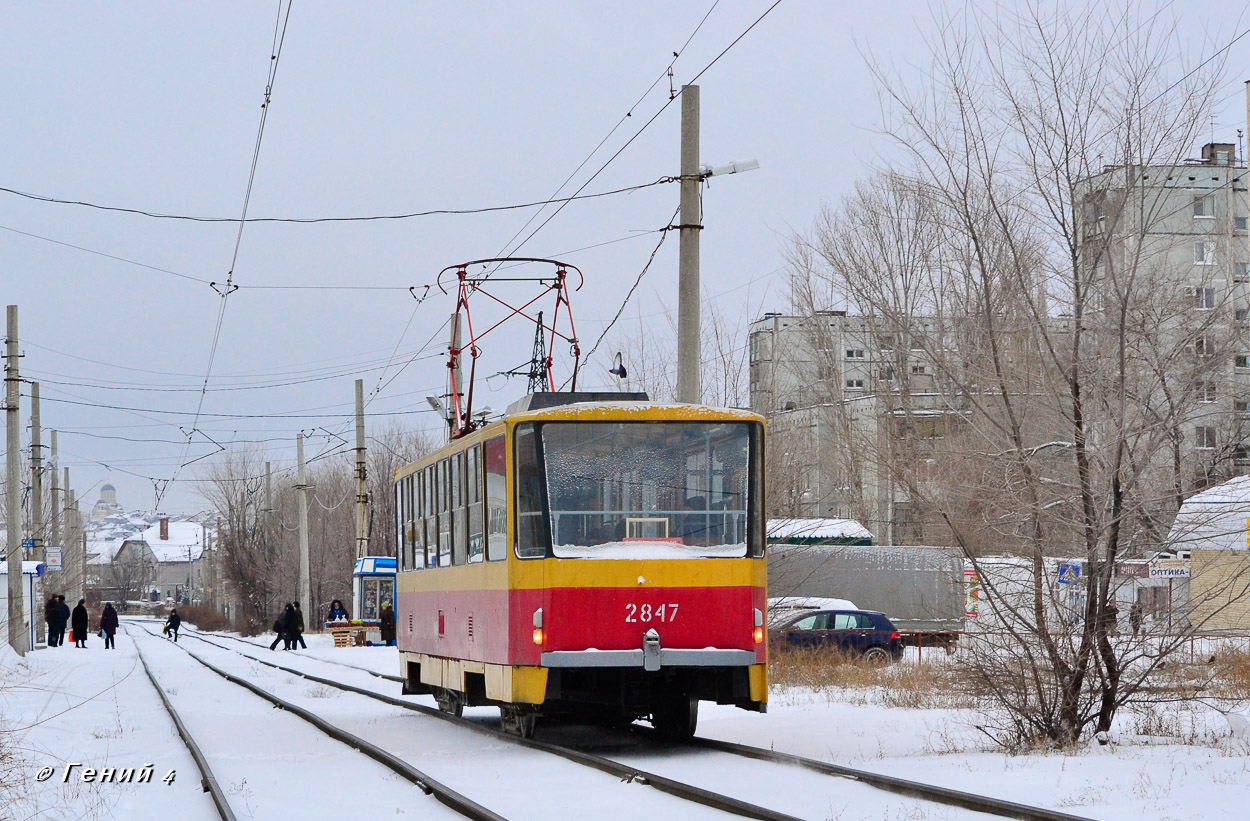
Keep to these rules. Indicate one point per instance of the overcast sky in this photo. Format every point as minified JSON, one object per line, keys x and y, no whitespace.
{"x":388,"y":108}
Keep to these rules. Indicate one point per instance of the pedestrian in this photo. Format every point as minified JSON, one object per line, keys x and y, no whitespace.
{"x":108,"y":625}
{"x":387,"y":626}
{"x":337,"y":613}
{"x":172,"y":624}
{"x":56,"y":622}
{"x":282,"y":626}
{"x":1110,"y":615}
{"x":60,"y":601}
{"x":297,"y":632}
{"x":1135,"y":615}
{"x":78,"y":623}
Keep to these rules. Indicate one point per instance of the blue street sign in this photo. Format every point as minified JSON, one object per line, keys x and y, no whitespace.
{"x":1069,"y":573}
{"x":27,"y":544}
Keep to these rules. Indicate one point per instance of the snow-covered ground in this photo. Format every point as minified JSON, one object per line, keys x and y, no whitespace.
{"x":98,"y":708}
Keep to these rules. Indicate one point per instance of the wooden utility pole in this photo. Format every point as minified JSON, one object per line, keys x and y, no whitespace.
{"x":36,"y":499}
{"x":54,"y":510}
{"x":362,"y":487}
{"x":13,"y":490}
{"x":304,"y":585}
{"x":689,"y":345}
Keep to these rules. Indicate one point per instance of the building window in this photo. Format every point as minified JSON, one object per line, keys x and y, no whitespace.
{"x":1241,"y":360}
{"x":1241,"y":406}
{"x":1204,"y":298}
{"x":1204,"y":252}
{"x":1204,"y":437}
{"x":854,"y":354}
{"x":854,"y":384}
{"x":1204,"y":206}
{"x":1241,"y":314}
{"x":1203,"y":347}
{"x":1241,"y":271}
{"x":917,"y":369}
{"x":1239,"y":223}
{"x":1206,"y":392}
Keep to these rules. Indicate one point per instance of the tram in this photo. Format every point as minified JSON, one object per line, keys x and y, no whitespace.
{"x":598,"y":556}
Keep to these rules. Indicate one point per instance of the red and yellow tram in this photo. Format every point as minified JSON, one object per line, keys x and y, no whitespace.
{"x":587,"y":555}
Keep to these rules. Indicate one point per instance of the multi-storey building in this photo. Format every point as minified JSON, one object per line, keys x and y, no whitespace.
{"x":844,"y":396}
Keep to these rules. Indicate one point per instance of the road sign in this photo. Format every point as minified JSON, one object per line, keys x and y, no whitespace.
{"x":52,"y":561}
{"x":1069,"y":573}
{"x":28,"y":544}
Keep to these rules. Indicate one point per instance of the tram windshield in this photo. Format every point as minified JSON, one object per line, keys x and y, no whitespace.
{"x":647,"y":489}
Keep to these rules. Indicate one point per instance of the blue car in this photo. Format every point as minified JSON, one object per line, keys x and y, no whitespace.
{"x":862,"y":632}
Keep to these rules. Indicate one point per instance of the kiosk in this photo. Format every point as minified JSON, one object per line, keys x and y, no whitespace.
{"x":30,"y":572}
{"x":373,"y":585}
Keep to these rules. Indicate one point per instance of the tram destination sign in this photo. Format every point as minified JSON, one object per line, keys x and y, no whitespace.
{"x":1169,"y":569}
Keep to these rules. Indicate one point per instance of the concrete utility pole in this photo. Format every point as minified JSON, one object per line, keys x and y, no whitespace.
{"x":69,"y":558}
{"x":13,"y":490}
{"x":362,"y":487}
{"x":689,"y":347}
{"x":36,"y":497}
{"x":304,"y":585}
{"x":55,"y":505}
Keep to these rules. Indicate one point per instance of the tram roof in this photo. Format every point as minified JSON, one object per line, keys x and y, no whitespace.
{"x":593,"y":411}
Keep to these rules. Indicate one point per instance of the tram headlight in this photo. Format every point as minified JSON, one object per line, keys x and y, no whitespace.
{"x":759,"y":635}
{"x":538,"y":635}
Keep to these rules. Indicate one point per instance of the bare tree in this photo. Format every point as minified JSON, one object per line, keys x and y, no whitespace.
{"x":1013,"y":266}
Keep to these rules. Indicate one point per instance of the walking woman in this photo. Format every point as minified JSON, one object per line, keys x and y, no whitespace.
{"x":78,"y":623}
{"x":108,"y":623}
{"x":172,"y":624}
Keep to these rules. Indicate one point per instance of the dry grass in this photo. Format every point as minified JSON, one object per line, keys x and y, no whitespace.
{"x":205,"y":618}
{"x":849,"y":678}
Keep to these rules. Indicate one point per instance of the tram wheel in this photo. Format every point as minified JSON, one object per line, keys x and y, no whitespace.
{"x":517,"y":720}
{"x":449,"y":702}
{"x":675,"y":715}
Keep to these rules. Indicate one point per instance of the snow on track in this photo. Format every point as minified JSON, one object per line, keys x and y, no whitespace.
{"x":511,"y":780}
{"x":273,"y":764}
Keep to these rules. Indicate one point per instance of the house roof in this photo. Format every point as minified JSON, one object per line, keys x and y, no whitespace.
{"x":185,"y":542}
{"x":1215,"y":519}
{"x":810,"y":530}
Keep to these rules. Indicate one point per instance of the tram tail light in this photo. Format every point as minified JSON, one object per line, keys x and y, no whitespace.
{"x":759,"y":635}
{"x":538,"y":626}
{"x":538,"y":635}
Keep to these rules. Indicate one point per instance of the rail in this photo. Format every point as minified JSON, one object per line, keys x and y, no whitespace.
{"x":441,"y":792}
{"x":940,"y":795}
{"x":207,"y":779}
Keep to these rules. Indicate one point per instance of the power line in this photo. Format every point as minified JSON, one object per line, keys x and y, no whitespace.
{"x":107,"y":406}
{"x":359,"y":218}
{"x":648,"y":123}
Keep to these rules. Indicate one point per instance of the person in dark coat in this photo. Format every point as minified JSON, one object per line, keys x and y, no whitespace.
{"x":1135,"y":614}
{"x":78,"y":623}
{"x":56,"y":622}
{"x":283,"y":626}
{"x":172,"y":624}
{"x":337,"y":612}
{"x":108,"y":623}
{"x":60,"y":601}
{"x":387,"y":625}
{"x":297,"y":632}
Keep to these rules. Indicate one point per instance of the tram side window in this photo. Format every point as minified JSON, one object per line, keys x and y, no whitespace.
{"x":411,"y":485}
{"x":477,"y":546}
{"x":495,"y":462}
{"x":459,"y":545}
{"x":444,"y":514}
{"x":416,"y":523}
{"x":399,"y":524}
{"x":531,"y":521}
{"x":431,"y":516}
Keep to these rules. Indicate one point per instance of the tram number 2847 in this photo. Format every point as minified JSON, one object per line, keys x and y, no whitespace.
{"x":645,"y":613}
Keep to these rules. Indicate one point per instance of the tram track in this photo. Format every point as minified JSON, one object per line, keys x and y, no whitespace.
{"x":628,"y":774}
{"x":450,"y":798}
{"x":974,"y":802}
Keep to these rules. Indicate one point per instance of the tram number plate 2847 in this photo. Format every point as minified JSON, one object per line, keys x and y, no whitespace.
{"x":646,"y":613}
